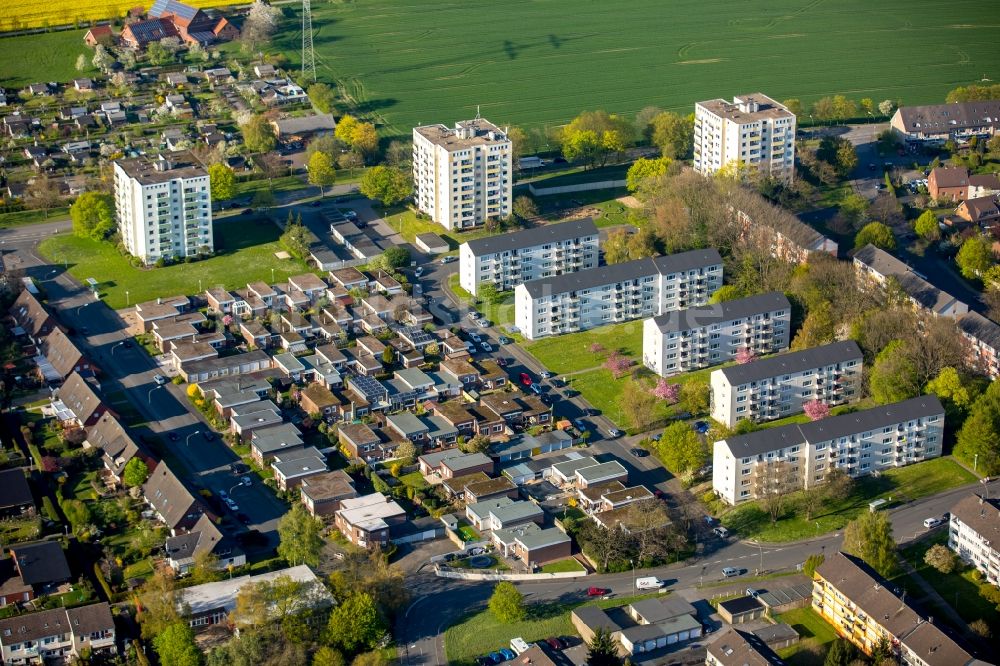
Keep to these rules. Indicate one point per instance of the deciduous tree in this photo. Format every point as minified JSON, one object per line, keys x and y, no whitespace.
{"x":258,"y":135}
{"x":681,"y":449}
{"x":525,"y":208}
{"x":300,"y":540}
{"x":388,"y":185}
{"x":93,"y":215}
{"x":941,"y":558}
{"x":136,"y":472}
{"x":666,"y":391}
{"x":321,"y":171}
{"x":637,"y":404}
{"x":261,"y":23}
{"x":223,"y":181}
{"x":322,"y":96}
{"x":773,"y":482}
{"x":869,"y":537}
{"x":978,"y":442}
{"x":877,"y":234}
{"x":507,"y":603}
{"x":956,"y":391}
{"x":157,"y":608}
{"x":816,"y":410}
{"x":974,"y":258}
{"x":694,"y":396}
{"x":356,"y":624}
{"x":617,"y":364}
{"x":643,"y":169}
{"x":594,"y":136}
{"x":42,"y":194}
{"x":893,"y":376}
{"x":175,"y":645}
{"x":673,"y":134}
{"x":927,"y":227}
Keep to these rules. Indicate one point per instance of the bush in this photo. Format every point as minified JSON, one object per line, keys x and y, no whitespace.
{"x":49,"y":509}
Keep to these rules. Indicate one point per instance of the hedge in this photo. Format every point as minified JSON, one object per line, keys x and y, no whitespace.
{"x":49,"y":509}
{"x":104,"y":584}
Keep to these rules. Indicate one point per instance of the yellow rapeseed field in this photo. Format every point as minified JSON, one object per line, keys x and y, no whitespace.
{"x":20,"y":14}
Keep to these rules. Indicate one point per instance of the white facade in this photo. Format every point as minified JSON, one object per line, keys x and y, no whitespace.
{"x":507,"y":260}
{"x":974,"y":535}
{"x":779,"y":386}
{"x":616,"y":293}
{"x":164,"y":207}
{"x":753,"y":130}
{"x":859,"y":443}
{"x":699,"y":337}
{"x":462,"y":176}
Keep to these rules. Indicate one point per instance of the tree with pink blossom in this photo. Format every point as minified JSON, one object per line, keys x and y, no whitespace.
{"x":617,"y":364}
{"x":227,"y":320}
{"x":596,"y":348}
{"x":816,"y":410}
{"x":745,"y":355}
{"x":666,"y":391}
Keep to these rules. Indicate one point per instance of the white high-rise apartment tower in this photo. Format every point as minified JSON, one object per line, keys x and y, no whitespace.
{"x":753,"y":130}
{"x":164,"y":206}
{"x":462,"y":175}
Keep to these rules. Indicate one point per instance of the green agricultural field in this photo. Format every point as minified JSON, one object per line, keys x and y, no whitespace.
{"x":244,"y":253}
{"x":539,"y":63}
{"x":53,"y":58}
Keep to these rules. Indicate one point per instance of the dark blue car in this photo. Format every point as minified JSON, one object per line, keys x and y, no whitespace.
{"x":700,"y":427}
{"x":508,"y":654}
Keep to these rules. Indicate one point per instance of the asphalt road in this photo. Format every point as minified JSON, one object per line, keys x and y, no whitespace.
{"x":129,"y":371}
{"x":439,"y":603}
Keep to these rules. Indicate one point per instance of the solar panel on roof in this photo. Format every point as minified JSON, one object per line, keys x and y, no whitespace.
{"x":161,"y":7}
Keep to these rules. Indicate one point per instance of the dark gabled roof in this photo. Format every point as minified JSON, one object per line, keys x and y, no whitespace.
{"x":169,"y":496}
{"x":783,"y":364}
{"x":869,"y":419}
{"x":80,"y":396}
{"x":151,"y":30}
{"x":981,"y":515}
{"x":940,"y":118}
{"x":61,"y":352}
{"x":86,"y":620}
{"x":203,"y":537}
{"x":14,"y":490}
{"x":41,"y":563}
{"x":981,"y":328}
{"x":34,"y":626}
{"x":741,"y":605}
{"x":772,"y":439}
{"x":30,"y":314}
{"x":517,"y":240}
{"x":629,"y":270}
{"x":114,"y":441}
{"x":698,"y":317}
{"x":739,"y":648}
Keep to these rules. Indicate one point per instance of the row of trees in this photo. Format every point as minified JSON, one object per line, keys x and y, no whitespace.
{"x":840,"y":108}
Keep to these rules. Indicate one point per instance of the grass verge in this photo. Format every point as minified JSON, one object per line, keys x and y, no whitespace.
{"x":244,"y":253}
{"x":902,"y":484}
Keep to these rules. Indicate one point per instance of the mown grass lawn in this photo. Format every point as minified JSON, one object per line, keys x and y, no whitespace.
{"x":958,"y":588}
{"x":244,"y":253}
{"x":414,"y":480}
{"x":53,"y":58}
{"x":563,"y":566}
{"x":816,"y":635}
{"x":571,"y":352}
{"x":409,"y":226}
{"x":22,"y":217}
{"x":903,"y":484}
{"x":480,"y":633}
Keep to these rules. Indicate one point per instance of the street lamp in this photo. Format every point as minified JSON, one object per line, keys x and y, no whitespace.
{"x":975,"y":462}
{"x":187,"y":440}
{"x":632,"y":562}
{"x":126,"y":298}
{"x":761,"y":548}
{"x":149,"y":395}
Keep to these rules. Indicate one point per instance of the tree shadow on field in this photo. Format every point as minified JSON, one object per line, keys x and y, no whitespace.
{"x":371,"y":105}
{"x":510,"y":49}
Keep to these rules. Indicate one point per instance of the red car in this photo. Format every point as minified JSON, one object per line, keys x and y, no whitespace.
{"x":597,"y":591}
{"x":526,"y":379}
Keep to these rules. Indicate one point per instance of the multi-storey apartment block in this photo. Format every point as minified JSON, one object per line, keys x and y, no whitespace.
{"x":875,"y":267}
{"x":616,"y":293}
{"x":711,"y":334}
{"x":753,"y":130}
{"x":57,"y":636}
{"x":865,"y":609}
{"x":800,"y":454}
{"x":462,"y":176}
{"x":776,"y":387}
{"x":983,"y":336}
{"x":941,"y":122}
{"x":164,"y":206}
{"x":508,"y":260}
{"x":974,"y":534}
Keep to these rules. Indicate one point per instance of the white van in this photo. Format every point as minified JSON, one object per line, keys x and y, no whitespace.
{"x":648,"y":583}
{"x":519,"y":645}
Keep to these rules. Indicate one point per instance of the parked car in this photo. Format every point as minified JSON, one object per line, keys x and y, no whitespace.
{"x":752,"y":592}
{"x":496,"y":657}
{"x":504,"y":340}
{"x":160,"y":380}
{"x":729,"y":572}
{"x":555,"y":643}
{"x":502,"y":362}
{"x":597,"y":591}
{"x":448,"y":259}
{"x":526,"y":379}
{"x":350,"y":214}
{"x":233,"y":506}
{"x":545,"y":374}
{"x":656,"y":437}
{"x":507,"y":653}
{"x":721,"y":531}
{"x":246,"y":481}
{"x":535,"y":388}
{"x":483,"y":323}
{"x":473,"y":315}
{"x":614,"y":433}
{"x":223,"y":495}
{"x":485,"y":346}
{"x":475,"y":337}
{"x":469,"y":347}
{"x":639,"y":453}
{"x":700,"y":427}
{"x":931,"y":523}
{"x":419,"y":271}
